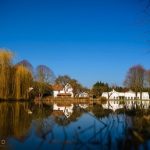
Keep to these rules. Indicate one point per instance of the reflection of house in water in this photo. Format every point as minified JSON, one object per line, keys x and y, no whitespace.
{"x":130,"y":95}
{"x":84,"y":106}
{"x":60,"y":91}
{"x":66,"y":110}
{"x":15,"y":121}
{"x":83,"y":95}
{"x":134,"y":104}
{"x":114,"y":105}
{"x":128,"y":104}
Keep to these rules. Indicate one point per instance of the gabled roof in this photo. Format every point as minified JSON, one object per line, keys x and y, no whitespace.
{"x":57,"y":87}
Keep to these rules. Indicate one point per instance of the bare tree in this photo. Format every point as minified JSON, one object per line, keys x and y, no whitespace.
{"x":62,"y":80}
{"x":148,"y":77}
{"x":147,"y":80}
{"x":77,"y":87}
{"x":26,"y":64}
{"x":44,"y":74}
{"x":44,"y":77}
{"x":135,"y":79}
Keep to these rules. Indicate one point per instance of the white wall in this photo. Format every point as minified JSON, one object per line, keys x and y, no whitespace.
{"x":67,"y":89}
{"x":128,"y":95}
{"x":55,"y":93}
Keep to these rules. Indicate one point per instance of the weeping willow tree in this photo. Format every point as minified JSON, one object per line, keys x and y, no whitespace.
{"x":5,"y":73}
{"x":14,"y":81}
{"x":22,"y":82}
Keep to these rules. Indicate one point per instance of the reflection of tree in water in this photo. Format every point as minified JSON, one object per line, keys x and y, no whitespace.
{"x":41,"y":110}
{"x":136,"y":132}
{"x":134,"y":111}
{"x":104,"y":130}
{"x":44,"y":127}
{"x":100,"y":112}
{"x":43,"y":123}
{"x":15,"y":120}
{"x":139,"y":133}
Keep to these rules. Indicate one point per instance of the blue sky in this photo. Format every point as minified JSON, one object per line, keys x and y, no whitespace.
{"x":90,"y":40}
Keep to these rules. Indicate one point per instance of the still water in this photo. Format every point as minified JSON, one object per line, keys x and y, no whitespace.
{"x":38,"y":126}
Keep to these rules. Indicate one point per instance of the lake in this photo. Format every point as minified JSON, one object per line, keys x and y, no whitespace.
{"x":37,"y":125}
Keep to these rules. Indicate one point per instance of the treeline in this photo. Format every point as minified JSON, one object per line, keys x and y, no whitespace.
{"x":16,"y":80}
{"x":99,"y":87}
{"x":22,"y":81}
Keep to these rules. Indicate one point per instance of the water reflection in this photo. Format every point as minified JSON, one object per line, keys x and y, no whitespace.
{"x":40,"y":125}
{"x":128,"y":104}
{"x":66,"y":110}
{"x":14,"y":120}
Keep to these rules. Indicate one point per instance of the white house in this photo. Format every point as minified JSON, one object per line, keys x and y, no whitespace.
{"x":130,"y":95}
{"x":66,"y":91}
{"x":125,"y":95}
{"x":145,"y":95}
{"x":112,"y":95}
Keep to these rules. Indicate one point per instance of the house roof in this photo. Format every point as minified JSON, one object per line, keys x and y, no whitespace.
{"x":57,"y":87}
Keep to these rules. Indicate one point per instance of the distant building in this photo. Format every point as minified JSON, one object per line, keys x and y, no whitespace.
{"x":130,"y":95}
{"x":60,"y":91}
